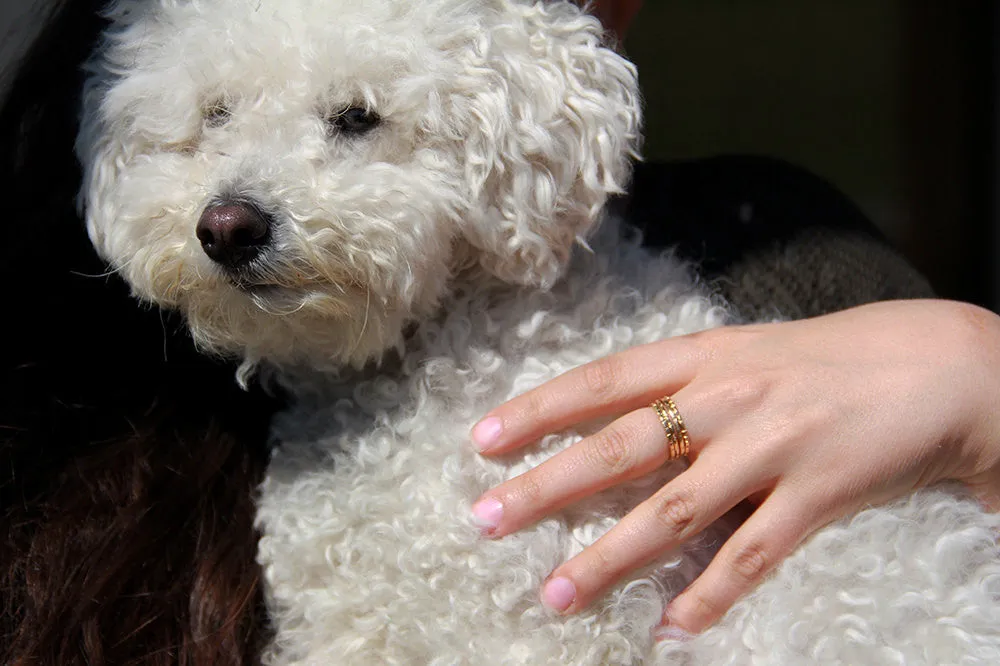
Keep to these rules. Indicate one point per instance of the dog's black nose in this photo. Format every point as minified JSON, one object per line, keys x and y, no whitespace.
{"x":232,"y":233}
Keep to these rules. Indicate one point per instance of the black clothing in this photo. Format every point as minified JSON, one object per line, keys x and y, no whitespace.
{"x":771,"y":237}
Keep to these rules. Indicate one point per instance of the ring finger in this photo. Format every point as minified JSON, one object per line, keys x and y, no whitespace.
{"x":628,"y":448}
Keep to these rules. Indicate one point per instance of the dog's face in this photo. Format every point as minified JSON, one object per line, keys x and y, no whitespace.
{"x":302,"y":178}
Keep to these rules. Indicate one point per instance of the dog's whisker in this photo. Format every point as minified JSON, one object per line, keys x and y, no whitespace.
{"x":364,"y":323}
{"x":108,"y":273}
{"x":279,"y":304}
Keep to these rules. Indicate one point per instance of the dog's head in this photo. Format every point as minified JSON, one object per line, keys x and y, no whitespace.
{"x":301,"y":178}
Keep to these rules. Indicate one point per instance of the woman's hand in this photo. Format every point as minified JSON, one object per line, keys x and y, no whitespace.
{"x":809,"y":420}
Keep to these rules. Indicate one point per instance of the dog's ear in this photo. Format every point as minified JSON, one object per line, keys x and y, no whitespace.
{"x":553,"y":125}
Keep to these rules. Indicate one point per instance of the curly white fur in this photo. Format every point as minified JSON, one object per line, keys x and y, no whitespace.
{"x":505,"y":127}
{"x":439,"y":244}
{"x":371,"y":558}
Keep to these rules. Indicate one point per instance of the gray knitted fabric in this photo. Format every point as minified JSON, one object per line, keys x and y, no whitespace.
{"x":817,"y":271}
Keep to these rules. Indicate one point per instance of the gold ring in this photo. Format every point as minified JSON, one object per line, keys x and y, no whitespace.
{"x":673,"y":424}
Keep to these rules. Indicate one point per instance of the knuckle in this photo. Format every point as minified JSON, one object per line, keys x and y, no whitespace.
{"x":713,"y":341}
{"x":709,"y":339}
{"x":750,"y":562}
{"x":703,"y":345}
{"x":811,"y":420}
{"x":601,"y":377}
{"x":675,"y":511}
{"x":611,"y":451}
{"x":772,"y":448}
{"x":743,"y":391}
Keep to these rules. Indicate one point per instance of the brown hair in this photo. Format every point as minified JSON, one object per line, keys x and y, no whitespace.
{"x":128,"y":461}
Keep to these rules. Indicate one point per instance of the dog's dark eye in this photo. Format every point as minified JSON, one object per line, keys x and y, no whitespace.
{"x":216,"y":114}
{"x":354,"y":120}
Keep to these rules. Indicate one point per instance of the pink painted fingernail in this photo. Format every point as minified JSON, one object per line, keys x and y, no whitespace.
{"x":487,"y":513}
{"x":559,"y":593}
{"x":486,"y":433}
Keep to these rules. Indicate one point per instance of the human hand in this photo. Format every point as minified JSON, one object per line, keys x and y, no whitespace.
{"x":809,"y":420}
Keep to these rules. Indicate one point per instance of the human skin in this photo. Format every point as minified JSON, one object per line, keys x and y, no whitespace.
{"x":806,"y":420}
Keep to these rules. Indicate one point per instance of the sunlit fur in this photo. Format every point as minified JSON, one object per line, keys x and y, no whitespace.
{"x":505,"y":127}
{"x":445,"y":235}
{"x":371,"y":556}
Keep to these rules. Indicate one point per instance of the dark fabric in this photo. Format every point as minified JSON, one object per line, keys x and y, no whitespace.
{"x":770,"y":237}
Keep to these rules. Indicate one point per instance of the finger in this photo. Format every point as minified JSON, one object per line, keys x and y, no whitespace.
{"x":777,"y":527}
{"x":716,"y":481}
{"x":608,"y":386}
{"x":626,"y":449}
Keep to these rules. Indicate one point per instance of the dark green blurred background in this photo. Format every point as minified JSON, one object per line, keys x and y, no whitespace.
{"x":891,"y":100}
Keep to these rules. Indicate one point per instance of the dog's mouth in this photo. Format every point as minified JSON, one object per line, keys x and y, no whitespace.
{"x":254,"y":279}
{"x":265,"y":274}
{"x":279,"y":294}
{"x":279,"y":283}
{"x":263,"y":290}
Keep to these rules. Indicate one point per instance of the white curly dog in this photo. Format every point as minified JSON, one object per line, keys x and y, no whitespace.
{"x":377,"y":202}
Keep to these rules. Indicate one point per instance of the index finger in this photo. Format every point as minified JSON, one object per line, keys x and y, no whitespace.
{"x":605,"y":387}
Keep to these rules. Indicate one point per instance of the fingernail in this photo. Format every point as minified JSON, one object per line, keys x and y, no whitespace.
{"x":559,"y":593}
{"x":488,"y":513}
{"x":668,"y":633}
{"x":486,"y":433}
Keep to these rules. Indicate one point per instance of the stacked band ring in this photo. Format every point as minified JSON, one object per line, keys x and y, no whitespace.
{"x":673,"y":424}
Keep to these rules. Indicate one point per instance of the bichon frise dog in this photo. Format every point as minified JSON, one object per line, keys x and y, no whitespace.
{"x":377,"y":203}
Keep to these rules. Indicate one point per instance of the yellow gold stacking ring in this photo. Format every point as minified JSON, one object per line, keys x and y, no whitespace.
{"x":677,"y":434}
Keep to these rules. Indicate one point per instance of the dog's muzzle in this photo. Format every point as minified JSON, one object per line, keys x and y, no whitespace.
{"x":233,"y":233}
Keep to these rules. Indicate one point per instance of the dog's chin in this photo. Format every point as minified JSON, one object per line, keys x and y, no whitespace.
{"x":276,"y":299}
{"x":314,"y":326}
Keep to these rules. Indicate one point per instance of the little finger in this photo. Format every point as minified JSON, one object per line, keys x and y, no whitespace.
{"x":774,"y":530}
{"x":716,"y":482}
